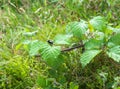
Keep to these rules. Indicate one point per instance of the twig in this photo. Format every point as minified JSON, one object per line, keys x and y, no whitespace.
{"x":68,"y":49}
{"x":72,"y":48}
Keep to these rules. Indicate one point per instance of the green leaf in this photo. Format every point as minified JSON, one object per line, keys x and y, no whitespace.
{"x":98,"y":23}
{"x":55,"y":63}
{"x":78,"y":29}
{"x":41,"y":81}
{"x":99,"y":35}
{"x":96,"y":42}
{"x":73,"y":85}
{"x":87,"y":56}
{"x":50,"y":52}
{"x":34,"y":47}
{"x":114,"y":40}
{"x":114,"y":53}
{"x":62,"y":39}
{"x":93,"y":44}
{"x":110,"y":30}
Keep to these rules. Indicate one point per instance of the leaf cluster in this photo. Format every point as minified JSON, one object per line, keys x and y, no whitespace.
{"x":95,"y":35}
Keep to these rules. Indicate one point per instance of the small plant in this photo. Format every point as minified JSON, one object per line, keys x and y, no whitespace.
{"x":92,"y":37}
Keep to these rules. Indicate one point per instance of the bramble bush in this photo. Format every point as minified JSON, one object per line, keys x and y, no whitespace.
{"x":93,"y":39}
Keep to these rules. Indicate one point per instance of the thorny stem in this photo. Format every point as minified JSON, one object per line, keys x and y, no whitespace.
{"x":72,"y":48}
{"x":69,"y":49}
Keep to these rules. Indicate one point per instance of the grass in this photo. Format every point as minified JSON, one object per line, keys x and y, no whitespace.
{"x":20,"y":71}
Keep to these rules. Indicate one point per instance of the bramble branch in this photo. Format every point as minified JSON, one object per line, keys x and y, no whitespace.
{"x":72,"y":48}
{"x":68,"y":49}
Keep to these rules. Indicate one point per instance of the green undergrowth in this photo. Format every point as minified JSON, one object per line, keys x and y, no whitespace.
{"x":41,"y":20}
